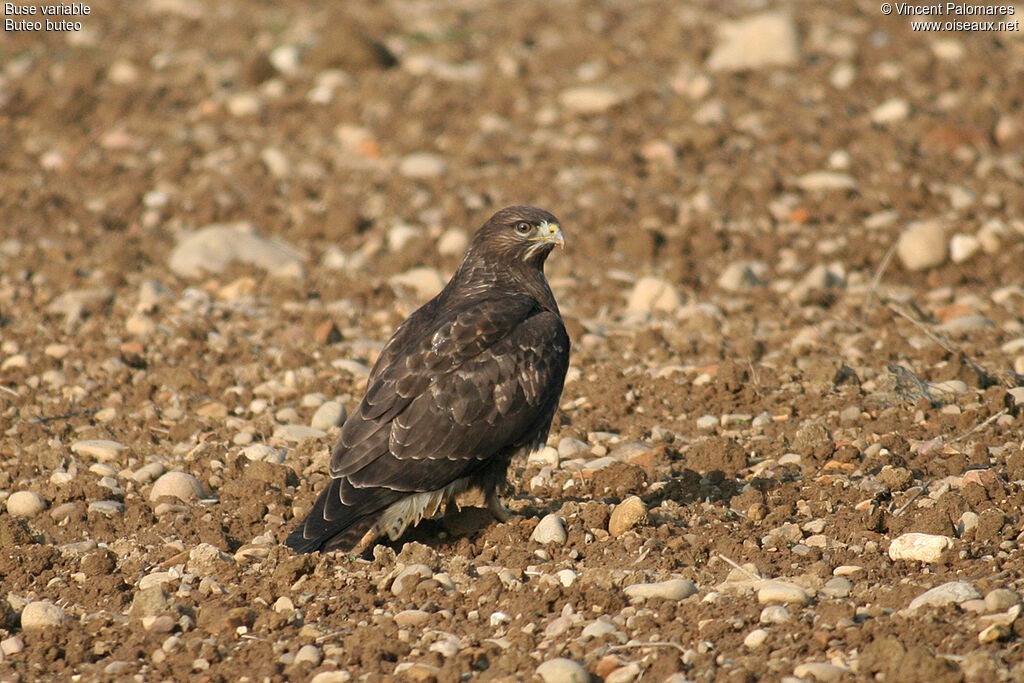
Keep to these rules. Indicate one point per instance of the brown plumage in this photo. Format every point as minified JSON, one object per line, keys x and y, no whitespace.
{"x":467,"y":381}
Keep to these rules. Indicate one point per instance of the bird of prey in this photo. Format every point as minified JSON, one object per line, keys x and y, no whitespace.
{"x":470,"y":379}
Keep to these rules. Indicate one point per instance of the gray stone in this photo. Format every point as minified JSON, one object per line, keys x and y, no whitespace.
{"x":329,"y":414}
{"x":673,"y":589}
{"x":214,"y":247}
{"x":953,"y":592}
{"x":296,"y":432}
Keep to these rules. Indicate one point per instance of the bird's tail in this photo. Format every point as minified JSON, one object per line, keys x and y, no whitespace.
{"x":332,"y":525}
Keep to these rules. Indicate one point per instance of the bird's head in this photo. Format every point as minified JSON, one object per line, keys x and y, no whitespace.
{"x":520,"y":234}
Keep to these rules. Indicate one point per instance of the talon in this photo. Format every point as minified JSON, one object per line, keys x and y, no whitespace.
{"x":365,"y":542}
{"x":497,"y":509}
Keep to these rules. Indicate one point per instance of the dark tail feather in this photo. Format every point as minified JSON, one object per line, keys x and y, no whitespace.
{"x":316,"y":532}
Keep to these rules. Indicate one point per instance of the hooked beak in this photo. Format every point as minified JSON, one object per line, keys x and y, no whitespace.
{"x":554,"y":234}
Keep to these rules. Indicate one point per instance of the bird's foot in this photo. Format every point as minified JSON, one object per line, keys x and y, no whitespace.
{"x":364,"y":543}
{"x":496,"y":508}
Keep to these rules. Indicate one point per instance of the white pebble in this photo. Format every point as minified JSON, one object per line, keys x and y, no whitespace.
{"x":422,"y":165}
{"x":820,"y":671}
{"x":25,"y":504}
{"x":40,"y":615}
{"x":952,"y":592}
{"x":453,"y":242}
{"x":561,"y":670}
{"x":652,"y":294}
{"x":297,"y":432}
{"x":329,"y":414}
{"x":425,"y":282}
{"x":777,"y":591}
{"x":673,"y":589}
{"x":309,"y":654}
{"x":177,"y":485}
{"x":550,"y":529}
{"x":922,"y":245}
{"x":264,"y":453}
{"x":755,"y":638}
{"x":890,"y":111}
{"x":760,"y":40}
{"x":775,"y":614}
{"x":919,"y":547}
{"x":588,"y":99}
{"x":103,"y":450}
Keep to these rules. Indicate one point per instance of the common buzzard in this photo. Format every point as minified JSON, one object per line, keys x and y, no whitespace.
{"x":469,"y":380}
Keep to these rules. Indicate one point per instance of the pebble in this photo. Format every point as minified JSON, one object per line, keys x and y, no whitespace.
{"x":891,"y":111}
{"x":740,"y":276}
{"x":652,"y":294}
{"x":178,"y":485}
{"x":41,"y":614}
{"x":760,"y":40}
{"x":329,"y":414}
{"x":259,"y":452}
{"x":103,"y":450}
{"x":673,"y":589}
{"x":453,"y":242}
{"x":1001,"y":599}
{"x":409,"y":577}
{"x":309,"y":654}
{"x":629,"y":513}
{"x":755,"y":638}
{"x":598,"y":628}
{"x":963,"y":247}
{"x":922,"y":245}
{"x":569,"y":447}
{"x":826,"y":181}
{"x":546,"y":456}
{"x":820,"y":671}
{"x":148,"y":472}
{"x":411,"y":618}
{"x":624,"y":674}
{"x":775,"y":614}
{"x":561,"y":670}
{"x":424,"y":282}
{"x":953,"y":592}
{"x":837,"y":587}
{"x":214,"y":247}
{"x":706,"y":422}
{"x":566,"y":577}
{"x":422,"y":165}
{"x":206,"y":559}
{"x":107,"y":508}
{"x":919,"y":547}
{"x":332,"y":677}
{"x":12,"y":645}
{"x":293,"y":433}
{"x":25,"y":504}
{"x":995,"y":632}
{"x":777,"y":591}
{"x":590,"y":99}
{"x":550,"y":529}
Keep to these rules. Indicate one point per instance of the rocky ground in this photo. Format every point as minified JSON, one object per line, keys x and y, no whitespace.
{"x":790,"y":443}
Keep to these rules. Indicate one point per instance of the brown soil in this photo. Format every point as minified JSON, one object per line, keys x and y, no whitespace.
{"x":156,"y":119}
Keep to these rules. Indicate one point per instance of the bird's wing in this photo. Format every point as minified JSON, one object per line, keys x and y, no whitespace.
{"x":475,"y":382}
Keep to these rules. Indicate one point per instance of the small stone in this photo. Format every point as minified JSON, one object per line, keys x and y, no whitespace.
{"x":550,"y":529}
{"x":294,"y":433}
{"x":12,"y":646}
{"x":566,"y":577}
{"x":820,"y":671}
{"x":332,"y":677}
{"x":424,"y":282}
{"x":673,"y":589}
{"x":890,"y":111}
{"x":777,"y":591}
{"x":598,"y":628}
{"x":963,"y":247}
{"x":590,"y":99}
{"x":629,"y":513}
{"x":214,"y":247}
{"x":1001,"y":599}
{"x":826,"y":181}
{"x":652,"y":294}
{"x":259,"y":452}
{"x":25,"y":504}
{"x":107,"y":508}
{"x":919,"y":547}
{"x":422,"y":165}
{"x":41,"y":614}
{"x":624,"y":674}
{"x":103,"y":450}
{"x":765,"y":39}
{"x":837,"y":587}
{"x":922,"y":245}
{"x":411,"y":618}
{"x":755,"y":638}
{"x":243,"y":104}
{"x":741,"y":276}
{"x":409,"y":578}
{"x":953,"y":592}
{"x":177,"y":485}
{"x":151,"y":601}
{"x":309,"y":655}
{"x":561,"y":670}
{"x":995,"y":632}
{"x":453,"y":242}
{"x":329,"y":414}
{"x":569,"y":447}
{"x":775,"y":614}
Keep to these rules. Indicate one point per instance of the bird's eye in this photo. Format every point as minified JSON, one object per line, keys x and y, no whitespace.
{"x":523,"y":228}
